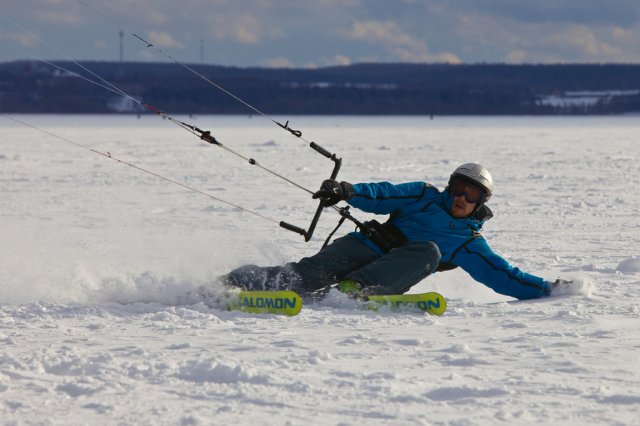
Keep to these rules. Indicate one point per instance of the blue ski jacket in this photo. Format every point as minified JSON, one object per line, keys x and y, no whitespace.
{"x":421,"y":212}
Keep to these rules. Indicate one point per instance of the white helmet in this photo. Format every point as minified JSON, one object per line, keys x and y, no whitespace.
{"x":477,"y":175}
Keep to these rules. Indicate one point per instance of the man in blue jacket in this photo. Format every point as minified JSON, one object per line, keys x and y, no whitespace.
{"x":427,"y":231}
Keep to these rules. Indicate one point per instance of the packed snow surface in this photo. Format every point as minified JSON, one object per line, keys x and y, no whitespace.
{"x":97,"y":257}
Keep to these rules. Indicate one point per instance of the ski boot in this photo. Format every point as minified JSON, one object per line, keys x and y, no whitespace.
{"x":353,"y":289}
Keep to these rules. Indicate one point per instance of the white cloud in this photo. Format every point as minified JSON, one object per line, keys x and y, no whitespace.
{"x":499,"y":39}
{"x":291,"y":33}
{"x":21,"y":39}
{"x":399,"y":44}
{"x":386,"y":32}
{"x":517,"y":56}
{"x":623,"y":35}
{"x":584,"y":40}
{"x":163,"y":39}
{"x":243,"y":28}
{"x":407,"y":55}
{"x":278,"y":62}
{"x":341,"y":60}
{"x":337,"y":60}
{"x":448,"y":57}
{"x":58,"y":17}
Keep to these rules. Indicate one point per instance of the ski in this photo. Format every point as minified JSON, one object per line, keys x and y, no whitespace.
{"x":279,"y":302}
{"x":287,"y":302}
{"x":432,"y":303}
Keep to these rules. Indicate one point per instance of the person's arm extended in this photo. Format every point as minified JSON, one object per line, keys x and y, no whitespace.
{"x":495,"y":272}
{"x":385,"y":197}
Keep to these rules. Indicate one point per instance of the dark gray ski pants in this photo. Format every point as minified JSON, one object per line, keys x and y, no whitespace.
{"x":346,"y":258}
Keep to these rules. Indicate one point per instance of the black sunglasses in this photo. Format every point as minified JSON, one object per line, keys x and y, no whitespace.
{"x":472,"y":194}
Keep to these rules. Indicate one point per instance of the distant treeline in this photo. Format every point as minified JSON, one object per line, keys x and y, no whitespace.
{"x":426,"y":89}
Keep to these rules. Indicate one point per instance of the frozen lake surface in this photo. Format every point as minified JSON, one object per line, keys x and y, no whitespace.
{"x":96,"y":256}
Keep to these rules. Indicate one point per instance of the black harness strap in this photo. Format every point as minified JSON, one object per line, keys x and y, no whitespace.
{"x":385,"y":235}
{"x":340,"y":222}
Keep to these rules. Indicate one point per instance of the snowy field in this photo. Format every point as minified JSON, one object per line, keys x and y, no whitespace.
{"x":96,"y":257}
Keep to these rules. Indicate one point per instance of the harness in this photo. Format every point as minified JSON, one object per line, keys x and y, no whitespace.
{"x":386,"y":235}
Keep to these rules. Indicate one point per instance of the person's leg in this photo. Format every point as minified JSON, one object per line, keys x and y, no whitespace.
{"x":253,"y":277}
{"x":328,"y":266}
{"x":331,"y":264}
{"x":399,"y":270}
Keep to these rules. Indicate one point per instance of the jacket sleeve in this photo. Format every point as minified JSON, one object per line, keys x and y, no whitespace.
{"x":385,"y":197}
{"x":492,"y":270}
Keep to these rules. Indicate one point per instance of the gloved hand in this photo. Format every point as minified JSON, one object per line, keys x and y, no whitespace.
{"x":557,"y":287}
{"x":333,"y":191}
{"x":560,"y":283}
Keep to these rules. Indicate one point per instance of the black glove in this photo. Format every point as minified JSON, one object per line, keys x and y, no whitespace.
{"x":333,"y":191}
{"x":561,"y":283}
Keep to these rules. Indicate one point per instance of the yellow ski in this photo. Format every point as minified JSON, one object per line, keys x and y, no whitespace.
{"x":433,"y":303}
{"x":280,"y":302}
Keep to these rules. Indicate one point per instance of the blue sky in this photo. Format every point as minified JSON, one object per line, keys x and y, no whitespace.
{"x":298,"y":33}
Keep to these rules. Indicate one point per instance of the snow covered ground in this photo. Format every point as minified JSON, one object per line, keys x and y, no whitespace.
{"x":95,"y":257}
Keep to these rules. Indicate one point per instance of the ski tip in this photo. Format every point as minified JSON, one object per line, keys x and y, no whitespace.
{"x":438,"y":306}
